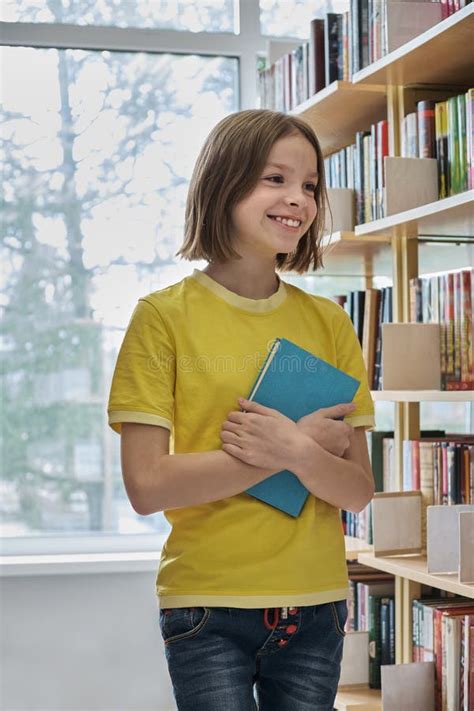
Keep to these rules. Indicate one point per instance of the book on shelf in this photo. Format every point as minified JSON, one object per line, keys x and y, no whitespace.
{"x":341,"y":44}
{"x":296,"y":383}
{"x":442,"y":629}
{"x":371,"y":609}
{"x":439,"y":465}
{"x":443,"y":130}
{"x":368,"y":310}
{"x":447,"y":299}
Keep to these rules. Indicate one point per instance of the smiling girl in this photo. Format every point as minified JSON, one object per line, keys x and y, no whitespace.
{"x":248,"y":595}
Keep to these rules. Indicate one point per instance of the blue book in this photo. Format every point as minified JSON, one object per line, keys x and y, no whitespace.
{"x":295,"y":383}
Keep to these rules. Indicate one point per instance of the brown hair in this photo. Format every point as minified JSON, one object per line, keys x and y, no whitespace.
{"x":227,"y":169}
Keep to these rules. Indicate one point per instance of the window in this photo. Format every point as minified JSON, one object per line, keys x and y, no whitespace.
{"x":97,"y":151}
{"x":291,"y":18}
{"x":191,"y":15}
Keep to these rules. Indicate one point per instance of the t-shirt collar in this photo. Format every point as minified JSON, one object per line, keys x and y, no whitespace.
{"x":242,"y":302}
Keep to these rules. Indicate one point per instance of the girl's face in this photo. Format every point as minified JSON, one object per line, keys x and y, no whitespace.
{"x":281,"y":207}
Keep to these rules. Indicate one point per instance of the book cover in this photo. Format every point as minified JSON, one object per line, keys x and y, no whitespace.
{"x":296,"y":383}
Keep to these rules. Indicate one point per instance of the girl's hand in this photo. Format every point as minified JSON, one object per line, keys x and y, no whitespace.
{"x":333,"y":435}
{"x":261,"y":437}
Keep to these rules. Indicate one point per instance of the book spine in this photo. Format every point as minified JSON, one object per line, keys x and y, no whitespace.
{"x":364,"y":32}
{"x":382,"y":152}
{"x":467,"y":374}
{"x":316,"y":63}
{"x":449,"y":327}
{"x":441,"y":148}
{"x":373,"y":172}
{"x":471,"y":664}
{"x":437,"y":653}
{"x":367,"y":177}
{"x":451,"y":474}
{"x":391,"y":614}
{"x":453,"y":146}
{"x":463,"y":178}
{"x":426,"y":129}
{"x":345,"y":47}
{"x":385,"y":631}
{"x":470,"y":137}
{"x":331,"y":45}
{"x":374,"y":641}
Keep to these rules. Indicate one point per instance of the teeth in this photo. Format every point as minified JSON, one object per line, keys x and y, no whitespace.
{"x":290,"y":223}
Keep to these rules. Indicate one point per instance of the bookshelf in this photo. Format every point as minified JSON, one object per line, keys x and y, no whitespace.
{"x":427,"y":67}
{"x":358,"y":699}
{"x":341,"y":109}
{"x":413,"y":567}
{"x":423,"y":395}
{"x":355,"y":546}
{"x":453,"y":215}
{"x":431,"y":58}
{"x":345,"y":254}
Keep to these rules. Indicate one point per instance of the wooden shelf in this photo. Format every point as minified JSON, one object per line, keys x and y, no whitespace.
{"x":423,"y":395}
{"x":340,"y":109}
{"x":415,"y":568}
{"x":433,"y":57}
{"x":452,"y":216}
{"x":354,"y":546}
{"x":358,"y":698}
{"x":345,"y":254}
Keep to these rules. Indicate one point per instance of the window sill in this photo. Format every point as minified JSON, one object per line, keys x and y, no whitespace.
{"x":77,"y":563}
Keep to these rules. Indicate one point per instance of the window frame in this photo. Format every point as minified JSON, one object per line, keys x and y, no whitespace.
{"x":245,"y":47}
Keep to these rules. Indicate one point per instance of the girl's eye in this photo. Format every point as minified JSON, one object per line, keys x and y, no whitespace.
{"x":275,"y":178}
{"x":310,"y":186}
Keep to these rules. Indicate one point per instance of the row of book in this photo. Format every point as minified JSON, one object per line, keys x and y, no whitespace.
{"x":368,"y":310}
{"x":442,"y":469}
{"x":443,"y":633}
{"x":443,"y":130}
{"x":360,"y":167}
{"x":301,"y":73}
{"x":448,"y":299}
{"x":341,"y":44}
{"x":371,"y":608}
{"x":439,"y":465}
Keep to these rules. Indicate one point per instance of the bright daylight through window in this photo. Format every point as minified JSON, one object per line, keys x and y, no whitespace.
{"x":97,"y":151}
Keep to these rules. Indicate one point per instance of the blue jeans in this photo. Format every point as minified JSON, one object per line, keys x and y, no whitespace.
{"x":216,"y":655}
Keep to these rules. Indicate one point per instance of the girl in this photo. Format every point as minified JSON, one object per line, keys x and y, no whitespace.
{"x":248,"y":595}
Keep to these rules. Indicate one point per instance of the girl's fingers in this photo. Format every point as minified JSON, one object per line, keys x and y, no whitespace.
{"x":235,"y":416}
{"x":251,"y":406}
{"x":233,"y":450}
{"x":231,"y":427}
{"x":230,"y":437}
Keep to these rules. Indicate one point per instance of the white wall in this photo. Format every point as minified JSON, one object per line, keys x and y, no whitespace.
{"x":88,"y":642}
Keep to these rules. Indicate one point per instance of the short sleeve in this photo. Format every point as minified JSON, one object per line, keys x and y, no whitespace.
{"x":351,"y":361}
{"x":143,"y":383}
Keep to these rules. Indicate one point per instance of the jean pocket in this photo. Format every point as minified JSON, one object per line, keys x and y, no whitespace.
{"x":339,"y":612}
{"x":177,"y":623}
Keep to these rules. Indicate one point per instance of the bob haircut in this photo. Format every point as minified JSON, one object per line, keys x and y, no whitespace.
{"x":227,"y":169}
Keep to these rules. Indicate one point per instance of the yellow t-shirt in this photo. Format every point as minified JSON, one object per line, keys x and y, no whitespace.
{"x":189,"y":352}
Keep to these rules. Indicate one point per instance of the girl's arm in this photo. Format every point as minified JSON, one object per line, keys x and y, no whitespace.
{"x":155,"y":480}
{"x":346,"y":482}
{"x":263,"y":437}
